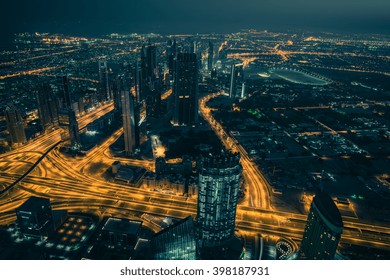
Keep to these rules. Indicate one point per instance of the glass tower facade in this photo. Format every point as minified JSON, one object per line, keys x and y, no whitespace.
{"x":128,"y":121}
{"x":176,"y":242}
{"x":236,"y":81}
{"x":104,"y":87}
{"x":219,"y":184}
{"x":186,"y":89}
{"x":47,"y":106}
{"x":323,"y":229}
{"x":15,"y":124}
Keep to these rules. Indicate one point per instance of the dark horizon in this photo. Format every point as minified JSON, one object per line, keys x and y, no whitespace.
{"x":7,"y":42}
{"x":98,"y":17}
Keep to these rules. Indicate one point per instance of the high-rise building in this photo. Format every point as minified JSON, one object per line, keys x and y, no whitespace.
{"x":137,"y":129}
{"x":176,"y":242}
{"x":138,"y":82}
{"x":210,"y":58}
{"x":151,"y":67}
{"x":64,"y":92}
{"x":116,"y":95}
{"x":149,"y":63}
{"x":73,"y":129}
{"x":186,"y":89}
{"x":68,"y":122}
{"x":15,"y":124}
{"x":153,"y":101}
{"x":148,"y":83}
{"x":219,"y":184}
{"x":35,"y":217}
{"x":116,"y":92}
{"x":47,"y":106}
{"x":172,"y":52}
{"x":195,"y":47}
{"x":128,"y":121}
{"x":236,"y":81}
{"x":104,"y":92}
{"x":323,"y":229}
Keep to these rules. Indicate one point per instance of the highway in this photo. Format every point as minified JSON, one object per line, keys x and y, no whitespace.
{"x":258,"y":188}
{"x":20,"y":178}
{"x":69,"y":185}
{"x":83,"y":197}
{"x":24,"y":159}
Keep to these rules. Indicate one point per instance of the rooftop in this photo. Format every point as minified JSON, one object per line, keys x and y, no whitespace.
{"x":328,"y":208}
{"x":122,"y":226}
{"x":188,"y":220}
{"x":34,"y":203}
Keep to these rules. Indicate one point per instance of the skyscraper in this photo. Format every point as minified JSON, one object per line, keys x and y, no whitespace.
{"x":128,"y":121}
{"x":47,"y":106}
{"x":323,"y":229}
{"x":64,"y":91}
{"x":73,"y":129}
{"x":149,"y":63}
{"x":104,"y":92}
{"x":186,"y":89}
{"x":137,"y":120}
{"x":15,"y":124}
{"x":236,"y":81}
{"x":219,"y":184}
{"x":151,"y":84}
{"x":172,"y":52}
{"x":116,"y":93}
{"x":138,"y":82}
{"x":176,"y":242}
{"x":68,"y":122}
{"x":195,"y":47}
{"x":210,"y":58}
{"x":153,"y":101}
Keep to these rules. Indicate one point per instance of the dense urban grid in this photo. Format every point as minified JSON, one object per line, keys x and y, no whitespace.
{"x":250,"y":145}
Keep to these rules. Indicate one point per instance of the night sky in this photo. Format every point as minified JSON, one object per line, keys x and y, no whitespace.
{"x":95,"y":17}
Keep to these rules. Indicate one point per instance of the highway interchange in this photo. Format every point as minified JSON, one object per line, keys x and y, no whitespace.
{"x":70,"y":185}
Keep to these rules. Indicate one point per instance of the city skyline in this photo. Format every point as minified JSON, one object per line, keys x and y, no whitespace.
{"x":251,"y":145}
